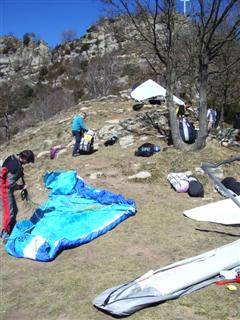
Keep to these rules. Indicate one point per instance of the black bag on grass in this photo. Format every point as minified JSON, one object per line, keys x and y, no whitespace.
{"x":138,"y":106}
{"x":232,"y":184}
{"x":111,"y":141}
{"x":195,"y":187}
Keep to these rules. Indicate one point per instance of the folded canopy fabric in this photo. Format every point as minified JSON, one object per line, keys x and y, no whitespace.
{"x":170,"y":282}
{"x":74,"y":214}
{"x":222,"y":212}
{"x":150,"y":89}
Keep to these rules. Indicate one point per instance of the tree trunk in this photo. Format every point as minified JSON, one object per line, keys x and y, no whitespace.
{"x":176,"y":138}
{"x":203,"y":80}
{"x":7,"y":128}
{"x":174,"y":125}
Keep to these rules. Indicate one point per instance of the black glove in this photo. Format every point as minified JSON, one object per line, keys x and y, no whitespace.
{"x":24,"y":195}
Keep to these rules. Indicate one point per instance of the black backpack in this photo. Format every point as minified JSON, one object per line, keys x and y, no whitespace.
{"x":187,"y":131}
{"x":111,"y":141}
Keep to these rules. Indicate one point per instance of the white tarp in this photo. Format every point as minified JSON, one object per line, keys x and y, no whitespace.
{"x":150,"y":89}
{"x":223,"y":212}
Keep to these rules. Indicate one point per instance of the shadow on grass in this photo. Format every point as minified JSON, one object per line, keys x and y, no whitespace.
{"x":219,"y":232}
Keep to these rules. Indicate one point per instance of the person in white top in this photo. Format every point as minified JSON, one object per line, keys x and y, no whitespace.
{"x":211,"y":117}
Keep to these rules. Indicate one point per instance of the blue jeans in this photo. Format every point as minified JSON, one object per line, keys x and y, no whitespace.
{"x":78,"y":137}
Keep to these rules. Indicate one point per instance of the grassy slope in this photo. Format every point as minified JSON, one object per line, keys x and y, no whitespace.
{"x":158,"y":235}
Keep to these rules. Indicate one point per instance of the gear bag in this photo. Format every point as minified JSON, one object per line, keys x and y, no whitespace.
{"x":232,"y":184}
{"x":179,"y":181}
{"x":195,"y":187}
{"x":147,"y":150}
{"x":86,"y":144}
{"x":187,"y":131}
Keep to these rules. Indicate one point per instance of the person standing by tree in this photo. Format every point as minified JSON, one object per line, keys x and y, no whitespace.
{"x":211,"y":117}
{"x":78,"y":129}
{"x":11,"y":172}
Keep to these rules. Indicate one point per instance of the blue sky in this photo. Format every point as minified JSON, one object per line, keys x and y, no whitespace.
{"x":48,"y":18}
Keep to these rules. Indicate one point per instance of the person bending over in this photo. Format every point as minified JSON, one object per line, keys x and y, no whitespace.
{"x":78,"y":129}
{"x":11,"y":172}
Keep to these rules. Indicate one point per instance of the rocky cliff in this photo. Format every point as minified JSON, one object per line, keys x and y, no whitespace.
{"x":34,"y":60}
{"x":35,"y":79}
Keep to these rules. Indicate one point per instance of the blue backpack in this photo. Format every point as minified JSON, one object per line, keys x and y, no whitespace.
{"x":147,"y":150}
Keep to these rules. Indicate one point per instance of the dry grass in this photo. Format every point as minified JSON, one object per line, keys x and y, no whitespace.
{"x":156,"y":236}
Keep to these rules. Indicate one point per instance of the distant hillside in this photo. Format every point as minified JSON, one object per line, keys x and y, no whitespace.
{"x":36,"y":81}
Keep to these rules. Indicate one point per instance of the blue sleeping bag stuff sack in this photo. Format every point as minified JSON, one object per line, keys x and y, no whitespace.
{"x":147,"y":149}
{"x":74,"y":214}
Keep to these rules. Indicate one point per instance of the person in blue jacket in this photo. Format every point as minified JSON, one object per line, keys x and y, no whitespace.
{"x":78,"y":129}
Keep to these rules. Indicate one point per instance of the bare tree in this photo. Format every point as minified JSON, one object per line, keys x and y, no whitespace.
{"x":101,"y":75}
{"x":224,"y":87}
{"x":48,"y":102}
{"x":210,"y":41}
{"x":161,"y":31}
{"x":4,"y":112}
{"x":68,"y":35}
{"x":4,"y":109}
{"x":155,"y":26}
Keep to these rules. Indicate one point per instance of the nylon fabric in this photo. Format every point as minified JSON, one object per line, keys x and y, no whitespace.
{"x":60,"y":182}
{"x":170,"y":282}
{"x":69,"y":218}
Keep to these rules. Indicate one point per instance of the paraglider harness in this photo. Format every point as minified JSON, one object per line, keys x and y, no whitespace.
{"x":86,"y":143}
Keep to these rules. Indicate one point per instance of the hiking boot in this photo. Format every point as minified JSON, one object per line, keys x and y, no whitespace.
{"x":4,"y":241}
{"x":4,"y":236}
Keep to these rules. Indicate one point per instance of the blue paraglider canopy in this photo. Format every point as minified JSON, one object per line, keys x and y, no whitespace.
{"x":74,"y":214}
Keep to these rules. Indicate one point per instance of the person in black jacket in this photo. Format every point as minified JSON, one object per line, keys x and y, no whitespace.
{"x":11,"y":172}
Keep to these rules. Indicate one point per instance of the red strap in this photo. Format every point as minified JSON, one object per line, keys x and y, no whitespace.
{"x":6,"y":210}
{"x":237,"y":279}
